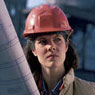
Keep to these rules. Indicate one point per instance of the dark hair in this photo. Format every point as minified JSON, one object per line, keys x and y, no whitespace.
{"x":71,"y":60}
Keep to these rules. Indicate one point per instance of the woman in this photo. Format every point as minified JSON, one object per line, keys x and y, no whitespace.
{"x":51,"y":55}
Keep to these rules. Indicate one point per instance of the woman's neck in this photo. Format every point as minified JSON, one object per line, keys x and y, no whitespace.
{"x":52,"y":76}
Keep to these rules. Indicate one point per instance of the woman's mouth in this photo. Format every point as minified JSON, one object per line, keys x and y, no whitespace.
{"x":52,"y":56}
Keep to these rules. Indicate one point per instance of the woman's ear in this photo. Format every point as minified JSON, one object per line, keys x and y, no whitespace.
{"x":67,"y":44}
{"x":34,"y":52}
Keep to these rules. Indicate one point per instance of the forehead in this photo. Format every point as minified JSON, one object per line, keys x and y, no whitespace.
{"x":50,"y":36}
{"x":35,"y":36}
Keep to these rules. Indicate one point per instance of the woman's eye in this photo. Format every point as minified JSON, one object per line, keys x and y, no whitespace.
{"x":43,"y":42}
{"x":57,"y":39}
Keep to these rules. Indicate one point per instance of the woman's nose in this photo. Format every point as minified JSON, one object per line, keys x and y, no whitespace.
{"x":51,"y":46}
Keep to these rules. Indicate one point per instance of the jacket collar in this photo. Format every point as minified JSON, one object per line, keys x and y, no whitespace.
{"x":68,"y":83}
{"x":68,"y":78}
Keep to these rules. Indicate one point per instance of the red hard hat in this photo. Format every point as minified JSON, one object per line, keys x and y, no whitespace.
{"x":46,"y":18}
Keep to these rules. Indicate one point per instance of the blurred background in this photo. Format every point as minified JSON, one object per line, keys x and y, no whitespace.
{"x":81,"y":15}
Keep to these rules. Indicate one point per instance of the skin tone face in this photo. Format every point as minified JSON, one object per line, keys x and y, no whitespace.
{"x":50,"y":50}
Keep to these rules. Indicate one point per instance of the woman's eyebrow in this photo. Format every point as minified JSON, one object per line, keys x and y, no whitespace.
{"x":41,"y":38}
{"x":57,"y":35}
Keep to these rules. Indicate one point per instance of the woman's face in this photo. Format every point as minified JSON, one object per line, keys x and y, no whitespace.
{"x":50,"y":50}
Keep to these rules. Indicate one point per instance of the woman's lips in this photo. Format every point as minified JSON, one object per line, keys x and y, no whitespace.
{"x":52,"y":56}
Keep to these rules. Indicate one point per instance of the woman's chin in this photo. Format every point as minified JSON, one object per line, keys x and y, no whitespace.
{"x":52,"y":64}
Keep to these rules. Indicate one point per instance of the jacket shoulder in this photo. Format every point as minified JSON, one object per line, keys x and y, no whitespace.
{"x":82,"y":87}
